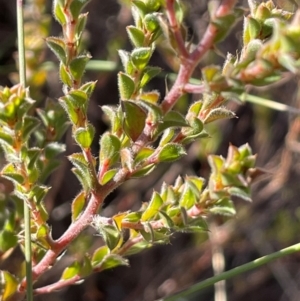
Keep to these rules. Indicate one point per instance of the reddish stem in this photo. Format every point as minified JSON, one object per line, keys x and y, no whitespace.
{"x":189,"y":64}
{"x":175,"y":27}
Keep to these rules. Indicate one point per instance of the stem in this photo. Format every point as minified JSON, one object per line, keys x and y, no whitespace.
{"x":22,"y":75}
{"x":175,"y":27}
{"x":234,"y":272}
{"x":188,"y":64}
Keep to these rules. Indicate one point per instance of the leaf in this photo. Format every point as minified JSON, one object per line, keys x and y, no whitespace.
{"x":148,"y":74}
{"x":241,"y":192}
{"x":136,"y":36}
{"x":218,"y":113}
{"x":86,"y":267}
{"x":57,"y":45}
{"x":76,"y":7}
{"x":6,"y":139}
{"x":38,"y":192}
{"x":126,"y":86}
{"x":223,"y":207}
{"x":172,"y":119}
{"x":171,"y":152}
{"x":110,"y":146}
{"x":84,"y":136}
{"x":88,"y":88}
{"x":77,"y":66}
{"x":10,"y":285}
{"x":78,"y":205}
{"x":111,"y":235}
{"x":151,"y":21}
{"x":10,"y":172}
{"x":71,"y":271}
{"x":126,"y":61}
{"x":188,"y":196}
{"x":153,"y":207}
{"x":216,"y":163}
{"x":53,"y":149}
{"x":108,"y":176}
{"x":137,"y":248}
{"x":113,"y":260}
{"x":65,"y":75}
{"x":141,"y":56}
{"x":143,"y":154}
{"x":58,"y":12}
{"x":29,"y":125}
{"x":99,"y":255}
{"x":143,"y":171}
{"x":134,"y":121}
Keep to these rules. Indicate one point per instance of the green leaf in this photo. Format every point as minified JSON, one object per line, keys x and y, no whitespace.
{"x":65,"y":75}
{"x":115,"y":120}
{"x":9,"y":287}
{"x":216,"y":163}
{"x":76,"y":7}
{"x":143,"y":154}
{"x":126,"y":86}
{"x":71,"y":271}
{"x":110,"y":235}
{"x":188,"y":197}
{"x":167,"y":136}
{"x":11,"y":173}
{"x":82,"y":170}
{"x":110,"y":146}
{"x":241,"y":192}
{"x":153,"y":207}
{"x":88,"y":88}
{"x":84,"y":136}
{"x":58,"y":46}
{"x":108,"y":176}
{"x":38,"y":192}
{"x":143,"y":171}
{"x":80,"y":26}
{"x":77,"y":66}
{"x":113,"y":260}
{"x":172,"y":119}
{"x":133,"y":217}
{"x":53,"y":149}
{"x":126,"y":61}
{"x":99,"y":255}
{"x":148,"y":74}
{"x":134,"y":121}
{"x":197,"y":225}
{"x":136,"y":36}
{"x":78,"y":205}
{"x":86,"y":267}
{"x":223,"y":207}
{"x":141,"y":56}
{"x":58,"y":12}
{"x":6,"y":139}
{"x":218,"y":113}
{"x":29,"y":125}
{"x":171,"y":152}
{"x":138,"y":247}
{"x":33,"y":155}
{"x":151,"y":22}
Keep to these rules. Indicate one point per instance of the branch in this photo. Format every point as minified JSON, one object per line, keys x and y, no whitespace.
{"x":175,"y":27}
{"x":189,"y":64}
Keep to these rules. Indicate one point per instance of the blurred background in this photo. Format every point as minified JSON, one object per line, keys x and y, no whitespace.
{"x":268,"y":224}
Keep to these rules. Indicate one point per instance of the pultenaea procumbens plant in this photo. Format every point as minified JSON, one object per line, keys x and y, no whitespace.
{"x":145,"y":130}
